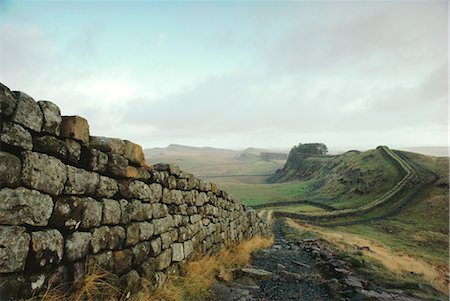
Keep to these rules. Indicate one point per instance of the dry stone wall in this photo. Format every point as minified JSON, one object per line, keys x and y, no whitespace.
{"x":68,"y":198}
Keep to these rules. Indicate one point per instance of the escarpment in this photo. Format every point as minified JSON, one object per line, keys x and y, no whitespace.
{"x":68,"y":198}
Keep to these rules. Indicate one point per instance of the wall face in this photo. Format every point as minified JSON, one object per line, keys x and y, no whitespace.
{"x":67,"y":198}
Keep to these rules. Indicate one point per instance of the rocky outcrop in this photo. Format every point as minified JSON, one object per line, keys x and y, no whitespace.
{"x":69,"y":198}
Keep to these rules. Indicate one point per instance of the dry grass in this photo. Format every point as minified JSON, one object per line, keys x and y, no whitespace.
{"x":201,"y":273}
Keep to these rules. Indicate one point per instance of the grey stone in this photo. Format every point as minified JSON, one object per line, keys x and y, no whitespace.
{"x":51,"y":145}
{"x":135,"y":189}
{"x":108,"y":145}
{"x":8,"y":103}
{"x":188,"y":248}
{"x":28,"y":113}
{"x":130,"y":282}
{"x":15,"y":243}
{"x":23,"y":206}
{"x":15,"y":135}
{"x":163,"y":224}
{"x":148,"y":268}
{"x":156,"y":192}
{"x":94,"y":159}
{"x":117,"y":165}
{"x":52,"y":117}
{"x":124,"y":208}
{"x":111,"y":212}
{"x":259,"y":274}
{"x":132,"y":238}
{"x":43,"y":173}
{"x":100,"y":239}
{"x":201,"y":199}
{"x":146,"y":230}
{"x":74,"y":212}
{"x":172,"y":196}
{"x":10,"y":170}
{"x":195,"y":218}
{"x":104,"y":260}
{"x":173,"y":169}
{"x":75,"y":127}
{"x":80,"y":181}
{"x":159,"y":210}
{"x":116,"y":237}
{"x":140,"y":252}
{"x":133,"y":152}
{"x":136,"y":211}
{"x":164,"y":259}
{"x":47,"y":247}
{"x":122,"y":261}
{"x":77,"y":245}
{"x":73,"y":150}
{"x":155,"y":246}
{"x":177,"y":252}
{"x":107,"y":187}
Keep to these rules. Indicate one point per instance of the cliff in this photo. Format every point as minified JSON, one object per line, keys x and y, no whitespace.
{"x":68,"y":198}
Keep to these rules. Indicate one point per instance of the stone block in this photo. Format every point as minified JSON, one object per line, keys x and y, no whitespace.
{"x":52,"y":117}
{"x":77,"y":245}
{"x":24,"y":206}
{"x":188,"y":248}
{"x":80,"y":181}
{"x":122,"y":261}
{"x":47,"y":247}
{"x":95,"y":160}
{"x":177,"y":252}
{"x":75,"y":212}
{"x":104,"y":260}
{"x":73,"y":150}
{"x":173,"y":169}
{"x":10,"y":170}
{"x":140,"y":173}
{"x":135,"y":189}
{"x":117,"y":165}
{"x":43,"y":173}
{"x":17,"y":136}
{"x":133,"y":152}
{"x":148,"y":268}
{"x":132,"y":233}
{"x":162,"y":224}
{"x":8,"y":102}
{"x":51,"y":145}
{"x":159,"y":210}
{"x":130,"y":282}
{"x":15,"y":243}
{"x":27,"y":113}
{"x":140,"y":252}
{"x":155,"y":246}
{"x":75,"y":127}
{"x":108,"y":145}
{"x":107,"y":187}
{"x":100,"y":239}
{"x":111,"y":212}
{"x":116,"y":237}
{"x":164,"y":259}
{"x":146,"y":230}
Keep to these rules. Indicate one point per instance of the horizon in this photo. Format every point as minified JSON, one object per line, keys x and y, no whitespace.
{"x":348,"y":74}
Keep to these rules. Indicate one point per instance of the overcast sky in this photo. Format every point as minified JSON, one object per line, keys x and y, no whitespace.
{"x":236,"y":74}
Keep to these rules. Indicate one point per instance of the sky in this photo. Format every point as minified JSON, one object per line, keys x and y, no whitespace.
{"x":234,"y":74}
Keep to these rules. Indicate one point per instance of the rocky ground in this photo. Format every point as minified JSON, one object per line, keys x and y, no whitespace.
{"x":301,"y":270}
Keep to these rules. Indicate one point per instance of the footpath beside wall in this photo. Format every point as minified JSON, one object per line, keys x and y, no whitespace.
{"x":67,"y":198}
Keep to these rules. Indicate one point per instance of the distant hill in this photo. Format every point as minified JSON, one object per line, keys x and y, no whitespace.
{"x":437,"y":151}
{"x":211,"y":162}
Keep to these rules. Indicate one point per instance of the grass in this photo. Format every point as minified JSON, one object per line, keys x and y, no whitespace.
{"x":194,"y":285}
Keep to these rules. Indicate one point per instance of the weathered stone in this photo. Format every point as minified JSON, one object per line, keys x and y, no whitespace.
{"x":140,"y":252}
{"x":201,"y":199}
{"x":195,"y":218}
{"x":188,"y":248}
{"x":100,"y":239}
{"x":51,"y":145}
{"x":135,"y":189}
{"x":73,"y":150}
{"x":108,"y":145}
{"x":80,"y":181}
{"x":155,"y":246}
{"x":103,"y":260}
{"x":116,"y":237}
{"x":164,"y":259}
{"x":146,"y":230}
{"x":177,"y":252}
{"x":94,"y":159}
{"x":74,"y":212}
{"x":52,"y":117}
{"x":111,"y":212}
{"x":132,"y":234}
{"x":122,"y":261}
{"x":258,"y":274}
{"x":14,"y":242}
{"x":75,"y":127}
{"x":8,"y":103}
{"x":172,"y":196}
{"x":15,"y":135}
{"x":107,"y":187}
{"x":43,"y":173}
{"x":166,"y":239}
{"x":117,"y":165}
{"x":148,"y":268}
{"x":77,"y":245}
{"x":159,"y":210}
{"x":137,"y":173}
{"x":27,"y":113}
{"x":23,"y":206}
{"x":47,"y":247}
{"x":10,"y":170}
{"x":130,"y":282}
{"x":173,"y":169}
{"x":162,"y":224}
{"x":182,"y":184}
{"x":134,"y":153}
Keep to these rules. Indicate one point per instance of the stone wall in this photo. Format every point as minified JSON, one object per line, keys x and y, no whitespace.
{"x":68,"y":198}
